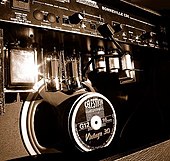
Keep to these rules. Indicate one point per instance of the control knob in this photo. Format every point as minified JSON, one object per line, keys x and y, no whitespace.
{"x":146,"y":35}
{"x":76,"y":18}
{"x":51,"y":17}
{"x":38,"y":15}
{"x":117,"y":27}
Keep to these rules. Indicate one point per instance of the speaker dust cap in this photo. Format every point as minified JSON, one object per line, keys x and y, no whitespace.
{"x":93,"y":122}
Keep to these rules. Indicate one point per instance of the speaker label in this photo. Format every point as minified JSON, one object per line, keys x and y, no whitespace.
{"x":93,"y":122}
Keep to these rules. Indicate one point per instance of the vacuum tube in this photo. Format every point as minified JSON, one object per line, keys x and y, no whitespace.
{"x":113,"y":60}
{"x":99,"y":60}
{"x":127,"y":64}
{"x":73,"y":71}
{"x":51,"y":72}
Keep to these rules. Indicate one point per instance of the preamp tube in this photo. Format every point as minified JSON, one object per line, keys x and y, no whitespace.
{"x":113,"y":60}
{"x":127,"y":65}
{"x":126,"y":62}
{"x":100,"y":63}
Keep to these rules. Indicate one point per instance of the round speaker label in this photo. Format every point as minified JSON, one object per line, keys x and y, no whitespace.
{"x":93,"y":122}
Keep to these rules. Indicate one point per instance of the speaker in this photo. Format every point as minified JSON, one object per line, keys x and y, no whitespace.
{"x":84,"y":122}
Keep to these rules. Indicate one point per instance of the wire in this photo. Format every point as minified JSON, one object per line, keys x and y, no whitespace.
{"x":107,"y":32}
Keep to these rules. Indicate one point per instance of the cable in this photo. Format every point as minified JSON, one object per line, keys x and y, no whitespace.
{"x":107,"y":32}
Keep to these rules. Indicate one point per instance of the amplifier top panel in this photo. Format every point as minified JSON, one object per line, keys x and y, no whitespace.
{"x":84,"y":17}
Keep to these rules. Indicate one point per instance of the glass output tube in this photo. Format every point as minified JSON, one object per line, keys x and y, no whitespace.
{"x":74,"y":73}
{"x":62,"y":73}
{"x":51,"y":73}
